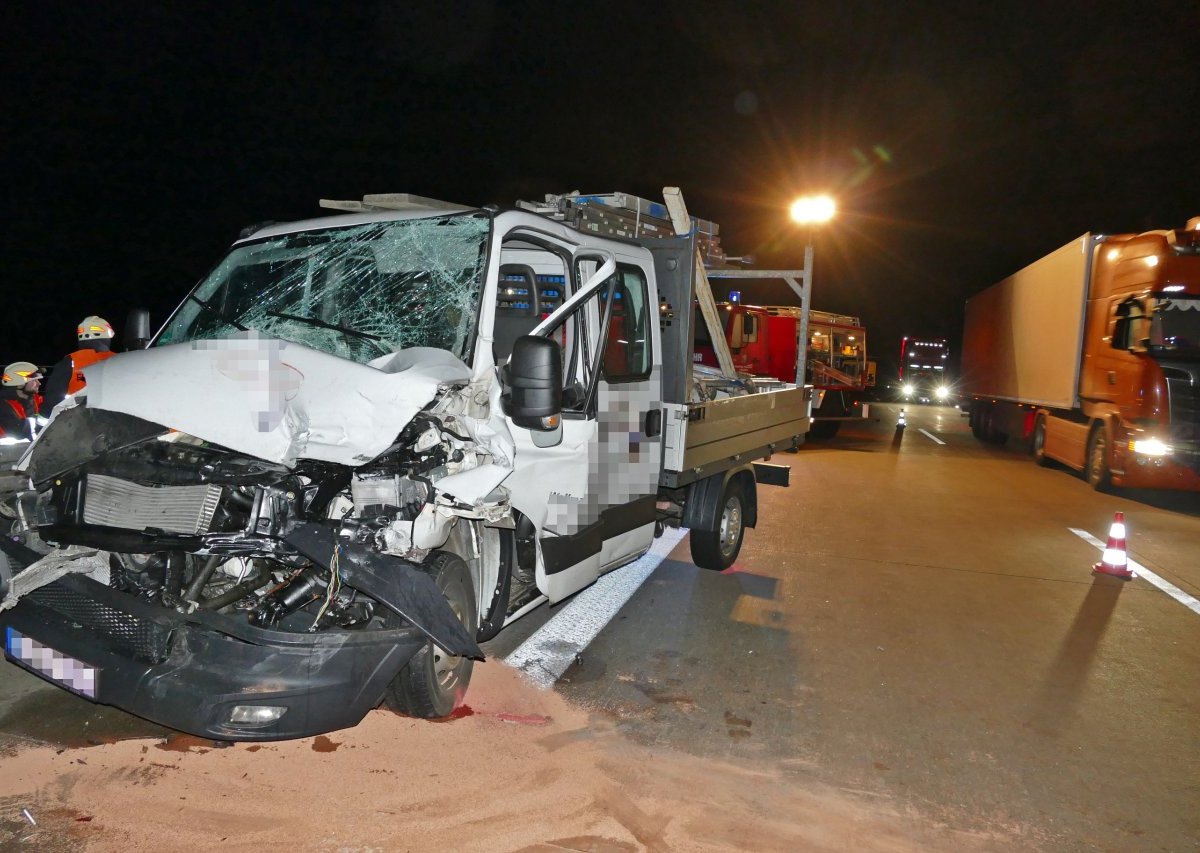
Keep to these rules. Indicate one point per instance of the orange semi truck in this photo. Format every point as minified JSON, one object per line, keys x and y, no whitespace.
{"x":1092,"y":355}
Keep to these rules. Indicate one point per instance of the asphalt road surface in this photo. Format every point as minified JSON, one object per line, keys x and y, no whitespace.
{"x":914,"y":623}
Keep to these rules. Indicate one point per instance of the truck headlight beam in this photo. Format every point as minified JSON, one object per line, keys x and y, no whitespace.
{"x":1150,"y":447}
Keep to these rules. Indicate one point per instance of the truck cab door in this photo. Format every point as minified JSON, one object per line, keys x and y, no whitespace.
{"x":591,"y":496}
{"x":1116,"y":370}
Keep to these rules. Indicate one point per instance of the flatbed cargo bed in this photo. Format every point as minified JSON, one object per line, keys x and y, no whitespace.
{"x":701,"y":439}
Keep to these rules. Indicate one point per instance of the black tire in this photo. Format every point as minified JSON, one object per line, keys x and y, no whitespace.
{"x":493,"y":620}
{"x":832,"y":406}
{"x":824,"y":429}
{"x":1038,"y":441}
{"x":432,"y":683}
{"x":1096,"y":471}
{"x":717,"y":549}
{"x":6,"y":574}
{"x":991,"y":434}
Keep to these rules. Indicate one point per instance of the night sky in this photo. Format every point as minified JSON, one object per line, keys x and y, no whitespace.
{"x":963,"y":140}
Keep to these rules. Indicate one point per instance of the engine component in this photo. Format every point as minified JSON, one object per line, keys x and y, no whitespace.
{"x":173,"y":578}
{"x":202,"y":576}
{"x":141,"y":574}
{"x":273,"y":511}
{"x":236,"y":592}
{"x":288,"y":598}
{"x":386,"y":494}
{"x":413,"y":539}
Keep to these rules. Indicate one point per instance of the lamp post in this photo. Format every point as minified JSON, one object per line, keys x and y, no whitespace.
{"x":808,"y":211}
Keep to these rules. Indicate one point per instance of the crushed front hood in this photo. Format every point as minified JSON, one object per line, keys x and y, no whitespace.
{"x":272,"y":399}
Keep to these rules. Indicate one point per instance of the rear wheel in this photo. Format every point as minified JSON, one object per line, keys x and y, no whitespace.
{"x":433,"y":682}
{"x":824,"y":429}
{"x":717,"y":549}
{"x":1099,"y":476}
{"x":833,"y":405}
{"x":1038,"y":442}
{"x":995,"y":434}
{"x":975,"y":421}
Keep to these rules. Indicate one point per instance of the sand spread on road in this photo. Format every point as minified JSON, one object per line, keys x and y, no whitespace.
{"x":517,"y":769}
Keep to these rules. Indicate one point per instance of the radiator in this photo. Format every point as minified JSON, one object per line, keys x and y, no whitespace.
{"x":111,"y":502}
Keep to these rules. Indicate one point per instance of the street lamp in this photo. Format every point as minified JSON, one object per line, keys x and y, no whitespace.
{"x":813,"y":209}
{"x":809,"y":211}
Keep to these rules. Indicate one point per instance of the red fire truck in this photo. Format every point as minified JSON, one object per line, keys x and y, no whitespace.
{"x":763,"y":342}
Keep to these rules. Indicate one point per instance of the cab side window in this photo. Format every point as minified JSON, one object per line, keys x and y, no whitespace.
{"x":627,"y":343}
{"x":1132,"y":327}
{"x":607,"y":336}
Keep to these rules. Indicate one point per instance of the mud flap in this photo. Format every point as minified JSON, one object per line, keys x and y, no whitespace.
{"x":397,"y":584}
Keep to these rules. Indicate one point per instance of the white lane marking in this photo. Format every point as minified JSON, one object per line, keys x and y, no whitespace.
{"x":931,"y":436}
{"x":545,"y":656}
{"x":1186,"y":599}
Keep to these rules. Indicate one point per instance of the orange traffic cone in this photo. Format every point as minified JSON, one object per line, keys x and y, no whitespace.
{"x":1115,"y":562}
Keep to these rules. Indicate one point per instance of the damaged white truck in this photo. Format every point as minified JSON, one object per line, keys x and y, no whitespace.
{"x":364,"y":443}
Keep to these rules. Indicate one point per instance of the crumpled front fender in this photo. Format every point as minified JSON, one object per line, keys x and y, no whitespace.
{"x":397,"y":584}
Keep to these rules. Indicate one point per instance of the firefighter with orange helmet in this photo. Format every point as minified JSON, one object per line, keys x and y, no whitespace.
{"x":20,"y":399}
{"x":95,"y":336}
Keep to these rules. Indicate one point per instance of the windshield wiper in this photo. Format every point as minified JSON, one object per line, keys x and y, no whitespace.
{"x":313,"y":321}
{"x":215,"y":310}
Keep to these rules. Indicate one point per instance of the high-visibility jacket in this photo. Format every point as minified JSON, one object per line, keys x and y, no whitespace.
{"x":14,"y":415}
{"x":80,"y":359}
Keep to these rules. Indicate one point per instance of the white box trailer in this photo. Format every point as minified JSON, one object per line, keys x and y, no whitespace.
{"x":1023,"y":336}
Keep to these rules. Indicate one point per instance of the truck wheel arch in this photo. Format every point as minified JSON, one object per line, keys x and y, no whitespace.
{"x":703,"y":508}
{"x":725,"y":504}
{"x":479,"y":547}
{"x":1099,"y":479}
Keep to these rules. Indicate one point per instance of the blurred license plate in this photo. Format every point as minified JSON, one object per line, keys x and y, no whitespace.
{"x":75,"y":675}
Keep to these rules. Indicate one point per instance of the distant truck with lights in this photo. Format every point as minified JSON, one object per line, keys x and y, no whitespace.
{"x":924,"y":362}
{"x":763,"y":340}
{"x":1092,"y":355}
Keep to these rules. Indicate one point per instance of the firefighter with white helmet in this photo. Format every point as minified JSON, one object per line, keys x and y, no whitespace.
{"x":20,"y":399}
{"x":95,"y":336}
{"x":95,"y":329}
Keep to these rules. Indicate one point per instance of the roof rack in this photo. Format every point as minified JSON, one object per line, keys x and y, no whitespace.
{"x":619,"y":214}
{"x":392,"y":201}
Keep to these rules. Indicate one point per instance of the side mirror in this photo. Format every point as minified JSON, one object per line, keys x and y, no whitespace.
{"x":532,"y":384}
{"x":137,"y":329}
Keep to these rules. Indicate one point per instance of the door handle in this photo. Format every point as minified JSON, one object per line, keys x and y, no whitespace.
{"x":653,"y":423}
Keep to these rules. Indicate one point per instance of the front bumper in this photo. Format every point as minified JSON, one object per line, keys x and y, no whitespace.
{"x":1155,"y":473}
{"x":188,"y":672}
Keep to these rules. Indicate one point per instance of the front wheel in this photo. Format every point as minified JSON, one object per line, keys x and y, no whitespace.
{"x":433,"y":682}
{"x":717,"y":549}
{"x":1099,"y":476}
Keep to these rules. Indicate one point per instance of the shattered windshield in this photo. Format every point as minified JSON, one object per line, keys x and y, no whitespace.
{"x":357,"y":292}
{"x":1176,"y":324}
